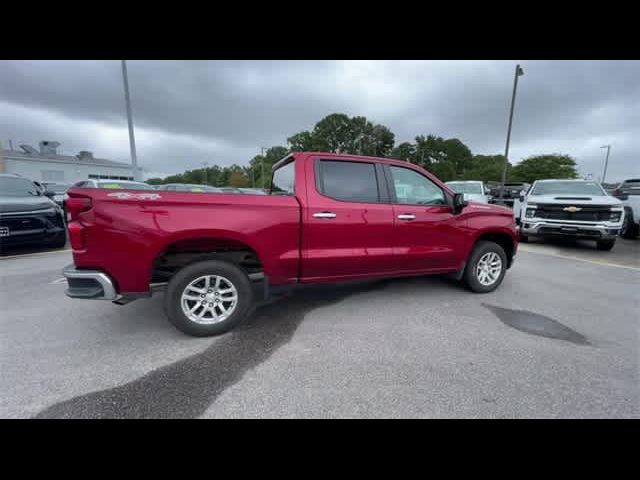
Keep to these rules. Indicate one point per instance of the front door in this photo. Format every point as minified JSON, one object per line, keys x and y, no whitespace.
{"x":427,"y":235}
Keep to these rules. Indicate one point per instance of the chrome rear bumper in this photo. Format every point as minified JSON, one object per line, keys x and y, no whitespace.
{"x":89,"y":284}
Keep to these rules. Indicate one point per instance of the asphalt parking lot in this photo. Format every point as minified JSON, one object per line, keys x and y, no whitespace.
{"x":559,"y":339}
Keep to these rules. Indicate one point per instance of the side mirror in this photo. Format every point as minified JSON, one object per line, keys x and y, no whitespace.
{"x":458,"y":203}
{"x":521,"y":196}
{"x":49,"y":193}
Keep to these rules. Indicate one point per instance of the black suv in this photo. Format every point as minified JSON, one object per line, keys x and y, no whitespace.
{"x":28,"y":215}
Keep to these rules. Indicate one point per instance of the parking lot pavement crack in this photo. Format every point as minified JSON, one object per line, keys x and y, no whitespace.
{"x":536,"y":324}
{"x":186,"y":388}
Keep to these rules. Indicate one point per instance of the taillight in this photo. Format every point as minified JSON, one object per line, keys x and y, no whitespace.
{"x":77,"y":205}
{"x":76,"y":235}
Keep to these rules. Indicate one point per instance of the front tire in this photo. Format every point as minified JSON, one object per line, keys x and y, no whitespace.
{"x":605,"y":245}
{"x":59,"y":241}
{"x":629,"y":227}
{"x":486,"y":267}
{"x":208,"y":298}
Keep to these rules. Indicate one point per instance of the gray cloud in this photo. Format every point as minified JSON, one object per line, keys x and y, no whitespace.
{"x":187,"y":112}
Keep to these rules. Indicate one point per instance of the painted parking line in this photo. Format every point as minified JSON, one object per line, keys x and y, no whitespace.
{"x":38,"y":254}
{"x":523,"y":248}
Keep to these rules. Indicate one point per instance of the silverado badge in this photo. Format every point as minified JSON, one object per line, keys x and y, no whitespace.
{"x":572,"y":209}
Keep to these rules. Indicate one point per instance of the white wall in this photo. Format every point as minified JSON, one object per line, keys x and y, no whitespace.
{"x":71,"y":173}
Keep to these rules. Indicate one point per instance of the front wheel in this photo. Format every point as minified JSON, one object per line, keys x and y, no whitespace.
{"x":208,"y":298}
{"x":629,"y":227}
{"x":605,"y":244}
{"x":486,"y":267}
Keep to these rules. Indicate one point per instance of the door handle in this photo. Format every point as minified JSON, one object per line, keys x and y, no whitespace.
{"x":407,"y":216}
{"x":324,"y":215}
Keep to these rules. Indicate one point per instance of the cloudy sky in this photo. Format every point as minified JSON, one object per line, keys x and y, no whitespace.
{"x":189,"y":112}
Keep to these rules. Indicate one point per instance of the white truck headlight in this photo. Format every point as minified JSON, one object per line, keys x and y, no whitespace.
{"x":530,"y":211}
{"x":615,"y":215}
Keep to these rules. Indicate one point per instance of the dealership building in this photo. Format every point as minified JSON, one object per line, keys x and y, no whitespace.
{"x":47,"y":165}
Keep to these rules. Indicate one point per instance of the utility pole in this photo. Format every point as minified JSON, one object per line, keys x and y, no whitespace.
{"x":205,"y":164}
{"x":132,"y":140}
{"x":519,"y":72}
{"x":606,"y":162}
{"x":262,"y":155}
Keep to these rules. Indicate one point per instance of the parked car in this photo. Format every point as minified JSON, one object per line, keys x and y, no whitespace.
{"x":230,"y":190}
{"x":189,"y":187}
{"x":329,"y":218}
{"x":510,"y":192}
{"x":113,"y":184}
{"x":571,"y":208}
{"x":472,"y":190}
{"x":28,"y":215}
{"x":59,"y":192}
{"x":628,"y":192}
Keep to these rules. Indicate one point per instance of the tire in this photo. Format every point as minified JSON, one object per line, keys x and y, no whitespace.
{"x":629,"y":227}
{"x":192,"y":278}
{"x":471,"y":274}
{"x":59,"y":240}
{"x":605,"y":244}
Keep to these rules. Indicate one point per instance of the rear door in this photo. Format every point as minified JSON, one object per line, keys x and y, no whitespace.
{"x":427,"y":235}
{"x":347,"y":221}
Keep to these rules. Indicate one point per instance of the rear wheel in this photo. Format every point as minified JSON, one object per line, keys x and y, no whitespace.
{"x":605,"y":244}
{"x":486,"y":267}
{"x":208,"y":298}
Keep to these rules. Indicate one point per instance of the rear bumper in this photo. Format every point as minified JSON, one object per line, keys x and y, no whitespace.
{"x":89,"y":284}
{"x":569,"y":229}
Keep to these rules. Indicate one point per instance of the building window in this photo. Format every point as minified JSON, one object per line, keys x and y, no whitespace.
{"x":52,"y":175}
{"x":109,"y":177}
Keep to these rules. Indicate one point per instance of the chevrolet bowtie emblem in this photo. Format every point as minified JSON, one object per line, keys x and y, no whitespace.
{"x":572,"y":209}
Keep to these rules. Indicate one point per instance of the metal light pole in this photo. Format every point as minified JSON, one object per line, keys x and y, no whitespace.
{"x":519,"y":72}
{"x":132,"y":139}
{"x":606,"y":162}
{"x":262,"y":155}
{"x":205,"y":164}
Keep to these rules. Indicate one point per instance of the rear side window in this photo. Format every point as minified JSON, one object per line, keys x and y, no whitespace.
{"x":349,"y":181}
{"x":283,"y":182}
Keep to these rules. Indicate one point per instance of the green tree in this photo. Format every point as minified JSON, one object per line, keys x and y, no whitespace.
{"x":487,"y":168}
{"x":539,"y":167}
{"x":338,"y":133}
{"x":405,"y":151}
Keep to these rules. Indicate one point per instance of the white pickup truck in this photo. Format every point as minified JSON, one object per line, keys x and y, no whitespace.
{"x":570,"y":208}
{"x":629,"y":193}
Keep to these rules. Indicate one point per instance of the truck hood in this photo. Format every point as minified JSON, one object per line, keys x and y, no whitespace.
{"x":488,"y":208}
{"x":577,"y":199}
{"x":24,"y":204}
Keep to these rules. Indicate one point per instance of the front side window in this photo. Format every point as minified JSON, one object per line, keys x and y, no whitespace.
{"x":414,"y":189}
{"x":349,"y":181}
{"x":462,"y":187}
{"x":283,"y":182}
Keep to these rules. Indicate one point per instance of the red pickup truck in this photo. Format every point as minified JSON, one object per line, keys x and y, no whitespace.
{"x":328,"y":217}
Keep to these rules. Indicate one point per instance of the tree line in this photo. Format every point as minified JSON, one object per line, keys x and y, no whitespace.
{"x":449,"y":159}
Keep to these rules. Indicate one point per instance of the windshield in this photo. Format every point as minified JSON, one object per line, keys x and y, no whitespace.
{"x":17,"y":187}
{"x":127,"y":185}
{"x":567,"y":188}
{"x":461,"y":187}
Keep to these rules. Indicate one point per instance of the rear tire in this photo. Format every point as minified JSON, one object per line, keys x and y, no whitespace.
{"x":480,"y":279}
{"x":195,"y":298}
{"x":605,"y":245}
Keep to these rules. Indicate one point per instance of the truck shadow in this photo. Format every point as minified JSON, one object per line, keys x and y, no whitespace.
{"x":186,"y":388}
